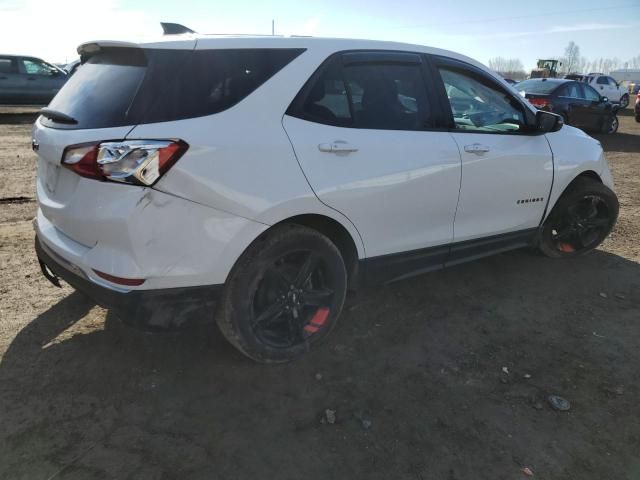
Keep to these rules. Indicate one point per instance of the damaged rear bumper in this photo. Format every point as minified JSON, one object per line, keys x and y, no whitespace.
{"x":157,"y":309}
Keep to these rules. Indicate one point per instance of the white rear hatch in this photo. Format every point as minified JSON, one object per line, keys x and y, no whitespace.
{"x":103,"y":101}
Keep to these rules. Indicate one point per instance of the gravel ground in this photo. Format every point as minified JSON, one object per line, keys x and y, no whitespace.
{"x":443,"y":376}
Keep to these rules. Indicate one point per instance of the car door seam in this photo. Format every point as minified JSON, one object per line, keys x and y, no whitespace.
{"x":304,"y":174}
{"x":553,"y":178}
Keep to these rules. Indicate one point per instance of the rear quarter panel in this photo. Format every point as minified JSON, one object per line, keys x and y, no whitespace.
{"x":241,"y":161}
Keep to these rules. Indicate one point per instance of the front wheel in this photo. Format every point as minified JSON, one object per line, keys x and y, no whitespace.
{"x":611,"y":125}
{"x":624,"y":101}
{"x":582,"y":218}
{"x":284,"y":294}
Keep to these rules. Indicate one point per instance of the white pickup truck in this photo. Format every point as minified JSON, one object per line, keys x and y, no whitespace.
{"x":606,"y":86}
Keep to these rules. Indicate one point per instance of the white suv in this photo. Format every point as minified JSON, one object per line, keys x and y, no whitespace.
{"x":258,"y":179}
{"x":606,"y":87}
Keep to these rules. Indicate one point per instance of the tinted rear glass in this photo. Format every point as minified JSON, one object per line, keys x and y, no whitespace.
{"x":125,"y":86}
{"x":537,"y":86}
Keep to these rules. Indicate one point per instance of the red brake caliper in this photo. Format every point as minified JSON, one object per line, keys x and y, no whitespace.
{"x":317,"y":321}
{"x":566,"y":248}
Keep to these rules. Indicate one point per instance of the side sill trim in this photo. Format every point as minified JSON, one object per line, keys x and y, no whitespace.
{"x":398,"y":266}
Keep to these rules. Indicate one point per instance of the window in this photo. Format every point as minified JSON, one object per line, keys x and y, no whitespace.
{"x":612,"y":82}
{"x":571,"y":90}
{"x":591,"y":94}
{"x":602,"y":81}
{"x":327,"y":101}
{"x":8,"y":65}
{"x":131,"y":86}
{"x":537,"y":86}
{"x":480,"y":105}
{"x":35,"y":67}
{"x":367,"y":94}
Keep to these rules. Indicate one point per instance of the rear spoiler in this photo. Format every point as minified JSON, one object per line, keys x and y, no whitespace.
{"x":174,"y":29}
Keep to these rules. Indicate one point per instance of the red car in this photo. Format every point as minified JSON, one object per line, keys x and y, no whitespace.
{"x":638,"y":107}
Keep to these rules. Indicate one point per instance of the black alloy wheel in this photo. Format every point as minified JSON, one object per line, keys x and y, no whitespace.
{"x":583,"y":225}
{"x":284,"y":295}
{"x":293,"y":300}
{"x":581,"y":220}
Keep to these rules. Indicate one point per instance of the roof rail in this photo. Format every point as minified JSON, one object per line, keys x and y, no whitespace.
{"x":174,"y":29}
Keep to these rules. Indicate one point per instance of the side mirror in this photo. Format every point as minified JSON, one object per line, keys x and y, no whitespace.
{"x":604,"y":99}
{"x":548,"y":122}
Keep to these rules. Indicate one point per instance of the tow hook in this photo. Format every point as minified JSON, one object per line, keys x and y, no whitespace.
{"x":49,"y":275}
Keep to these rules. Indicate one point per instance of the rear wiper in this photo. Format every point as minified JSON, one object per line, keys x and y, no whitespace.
{"x":57,"y":116}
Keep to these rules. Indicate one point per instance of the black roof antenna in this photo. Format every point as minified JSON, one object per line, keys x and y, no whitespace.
{"x":174,"y":29}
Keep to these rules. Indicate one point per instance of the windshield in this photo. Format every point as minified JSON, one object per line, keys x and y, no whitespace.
{"x":536,"y":86}
{"x":130,"y":86}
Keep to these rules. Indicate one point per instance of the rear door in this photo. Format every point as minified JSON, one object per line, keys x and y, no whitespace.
{"x":506,"y":170}
{"x":365,"y":130}
{"x":12,"y":84}
{"x":578,"y":107}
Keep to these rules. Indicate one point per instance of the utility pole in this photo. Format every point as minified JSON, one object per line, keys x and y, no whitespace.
{"x":273,"y":27}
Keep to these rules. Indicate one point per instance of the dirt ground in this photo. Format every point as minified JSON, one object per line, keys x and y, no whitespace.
{"x":416,"y":372}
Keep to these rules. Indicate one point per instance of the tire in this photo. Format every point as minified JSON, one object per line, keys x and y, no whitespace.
{"x":610,"y":126}
{"x":581,"y":219}
{"x":624,"y":101}
{"x":272,"y":309}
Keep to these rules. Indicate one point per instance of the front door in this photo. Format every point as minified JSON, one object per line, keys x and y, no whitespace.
{"x":596,"y":113}
{"x":363,"y":130}
{"x":507,"y":171}
{"x":43,"y":81}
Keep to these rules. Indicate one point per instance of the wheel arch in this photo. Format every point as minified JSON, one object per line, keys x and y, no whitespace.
{"x":591,"y":174}
{"x":586,"y":174}
{"x":334,"y":231}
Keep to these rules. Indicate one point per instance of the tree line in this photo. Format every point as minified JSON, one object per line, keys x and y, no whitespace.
{"x":572,"y":62}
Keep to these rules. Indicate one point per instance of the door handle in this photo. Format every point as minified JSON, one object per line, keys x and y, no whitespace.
{"x":476,"y":148}
{"x":338,"y":146}
{"x":3,"y":78}
{"x":31,"y":78}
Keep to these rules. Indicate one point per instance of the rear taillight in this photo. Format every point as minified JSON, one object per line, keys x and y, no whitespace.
{"x":138,"y":162}
{"x":540,"y":103}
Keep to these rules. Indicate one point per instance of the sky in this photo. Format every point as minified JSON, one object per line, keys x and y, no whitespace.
{"x":52,"y":29}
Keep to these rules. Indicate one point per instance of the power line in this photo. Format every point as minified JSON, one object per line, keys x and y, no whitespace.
{"x":519,"y":17}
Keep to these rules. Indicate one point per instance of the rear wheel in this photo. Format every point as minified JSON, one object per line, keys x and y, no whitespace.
{"x":580,"y":221}
{"x":284,"y":295}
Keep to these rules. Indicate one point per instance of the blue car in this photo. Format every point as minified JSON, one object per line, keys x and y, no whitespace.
{"x":579,"y":104}
{"x":28,"y":80}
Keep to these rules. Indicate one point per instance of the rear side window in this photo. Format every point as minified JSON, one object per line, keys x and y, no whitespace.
{"x":119,"y":86}
{"x":571,"y":90}
{"x":369,"y":95}
{"x":602,"y":81}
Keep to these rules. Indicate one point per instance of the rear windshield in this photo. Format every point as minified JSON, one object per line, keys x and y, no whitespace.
{"x":130,"y":86}
{"x":537,"y":86}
